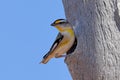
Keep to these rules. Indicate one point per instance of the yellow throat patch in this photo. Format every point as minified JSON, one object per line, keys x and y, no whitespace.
{"x":69,"y":30}
{"x":59,"y":28}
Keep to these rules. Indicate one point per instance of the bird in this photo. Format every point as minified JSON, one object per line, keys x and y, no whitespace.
{"x":65,"y":41}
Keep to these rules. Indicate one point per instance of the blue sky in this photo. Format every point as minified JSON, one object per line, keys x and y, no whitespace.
{"x":25,"y":36}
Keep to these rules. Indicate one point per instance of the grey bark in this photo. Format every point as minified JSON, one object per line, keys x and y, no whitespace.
{"x":97,"y":27}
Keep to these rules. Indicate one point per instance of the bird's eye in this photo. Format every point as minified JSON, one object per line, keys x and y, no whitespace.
{"x":61,"y":22}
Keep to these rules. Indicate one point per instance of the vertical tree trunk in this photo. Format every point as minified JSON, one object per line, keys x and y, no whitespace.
{"x":97,"y":27}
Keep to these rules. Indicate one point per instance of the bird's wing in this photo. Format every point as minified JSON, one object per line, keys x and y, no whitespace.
{"x":73,"y":47}
{"x":55,"y":44}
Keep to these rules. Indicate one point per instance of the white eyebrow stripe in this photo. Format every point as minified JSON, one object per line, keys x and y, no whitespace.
{"x":63,"y":20}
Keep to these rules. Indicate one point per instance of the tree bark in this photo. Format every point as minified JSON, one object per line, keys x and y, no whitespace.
{"x":97,"y":27}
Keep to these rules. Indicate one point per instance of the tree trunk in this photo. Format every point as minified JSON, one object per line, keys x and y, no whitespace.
{"x":97,"y":27}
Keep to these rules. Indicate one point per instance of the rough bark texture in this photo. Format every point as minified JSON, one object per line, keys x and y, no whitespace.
{"x":97,"y":27}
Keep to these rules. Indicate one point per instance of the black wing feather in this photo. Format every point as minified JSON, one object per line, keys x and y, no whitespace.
{"x":73,"y":47}
{"x":57,"y":41}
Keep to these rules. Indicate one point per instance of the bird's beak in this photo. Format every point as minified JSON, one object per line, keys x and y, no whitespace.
{"x":53,"y":24}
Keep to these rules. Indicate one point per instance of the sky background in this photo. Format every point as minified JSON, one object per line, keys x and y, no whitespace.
{"x":25,"y":36}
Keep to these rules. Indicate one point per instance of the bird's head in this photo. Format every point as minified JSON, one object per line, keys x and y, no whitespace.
{"x":61,"y":24}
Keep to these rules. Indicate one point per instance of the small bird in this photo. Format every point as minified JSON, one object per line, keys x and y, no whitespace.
{"x":64,"y":43}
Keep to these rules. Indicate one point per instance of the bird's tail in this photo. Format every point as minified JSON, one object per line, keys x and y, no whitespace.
{"x":46,"y":58}
{"x":44,"y":61}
